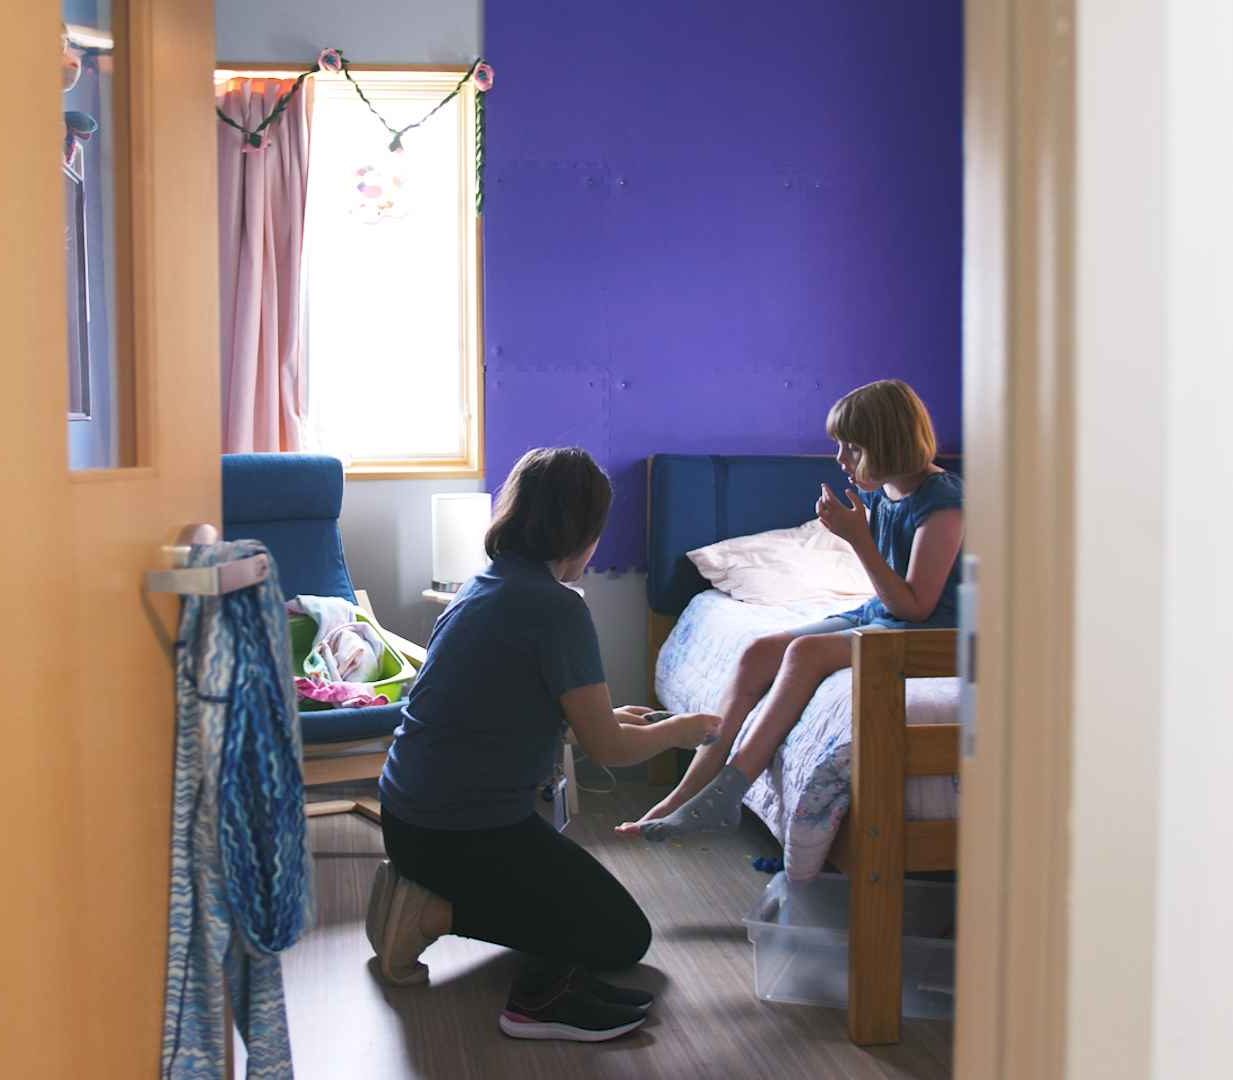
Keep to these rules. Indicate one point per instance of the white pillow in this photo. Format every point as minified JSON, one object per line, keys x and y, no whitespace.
{"x":807,"y":563}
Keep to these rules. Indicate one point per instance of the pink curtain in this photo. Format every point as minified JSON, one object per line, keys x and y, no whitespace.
{"x":261,"y":196}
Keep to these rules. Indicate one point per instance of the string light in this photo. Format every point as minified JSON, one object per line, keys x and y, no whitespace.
{"x":333,"y":61}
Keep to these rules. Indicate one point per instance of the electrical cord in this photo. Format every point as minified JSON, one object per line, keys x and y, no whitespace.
{"x":579,"y":757}
{"x":653,"y":717}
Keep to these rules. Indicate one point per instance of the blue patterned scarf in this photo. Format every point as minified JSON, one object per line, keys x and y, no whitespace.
{"x":241,"y":870}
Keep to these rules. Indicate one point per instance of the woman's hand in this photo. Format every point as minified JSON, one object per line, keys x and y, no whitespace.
{"x":850,"y":525}
{"x":694,"y":729}
{"x":609,"y":737}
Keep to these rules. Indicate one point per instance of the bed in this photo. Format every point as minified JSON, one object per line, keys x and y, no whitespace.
{"x":866,"y":780}
{"x":804,"y":797}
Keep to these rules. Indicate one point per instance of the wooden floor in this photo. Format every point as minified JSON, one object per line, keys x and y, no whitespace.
{"x":706,"y":1023}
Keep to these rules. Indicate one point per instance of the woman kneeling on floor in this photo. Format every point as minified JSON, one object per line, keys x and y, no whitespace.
{"x":512,"y":661}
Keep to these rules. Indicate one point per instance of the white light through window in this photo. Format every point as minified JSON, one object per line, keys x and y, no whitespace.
{"x":391,"y":275}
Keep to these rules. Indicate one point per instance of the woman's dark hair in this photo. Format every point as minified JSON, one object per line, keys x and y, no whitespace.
{"x":553,"y":504}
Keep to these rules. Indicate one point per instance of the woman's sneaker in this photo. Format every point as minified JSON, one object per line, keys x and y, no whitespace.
{"x":395,"y":907}
{"x":570,"y":1013}
{"x":629,"y":996}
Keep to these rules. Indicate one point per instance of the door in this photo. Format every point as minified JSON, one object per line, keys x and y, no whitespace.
{"x":88,"y":719}
{"x":1018,"y":439}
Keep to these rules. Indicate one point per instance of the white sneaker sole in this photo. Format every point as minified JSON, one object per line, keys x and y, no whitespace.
{"x":533,"y":1029}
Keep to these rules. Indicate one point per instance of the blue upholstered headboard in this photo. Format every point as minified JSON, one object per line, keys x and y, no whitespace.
{"x":699,"y":499}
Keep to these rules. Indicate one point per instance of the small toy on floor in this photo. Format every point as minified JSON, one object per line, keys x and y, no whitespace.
{"x":767,"y":864}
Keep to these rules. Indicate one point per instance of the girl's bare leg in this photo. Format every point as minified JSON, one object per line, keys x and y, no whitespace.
{"x":807,"y":661}
{"x":755,"y":672}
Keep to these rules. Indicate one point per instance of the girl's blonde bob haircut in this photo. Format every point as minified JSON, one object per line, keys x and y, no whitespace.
{"x":890,"y":424}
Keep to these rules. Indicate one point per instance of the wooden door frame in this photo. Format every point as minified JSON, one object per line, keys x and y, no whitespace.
{"x":1019,"y":188}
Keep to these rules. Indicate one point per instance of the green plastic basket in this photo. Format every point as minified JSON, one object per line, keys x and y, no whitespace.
{"x":395,"y":673}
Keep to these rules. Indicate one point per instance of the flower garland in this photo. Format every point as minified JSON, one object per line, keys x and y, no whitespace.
{"x":398,"y":133}
{"x":333,"y":61}
{"x":256,"y":138}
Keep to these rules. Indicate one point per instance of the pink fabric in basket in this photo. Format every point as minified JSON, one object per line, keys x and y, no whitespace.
{"x":342,"y":695}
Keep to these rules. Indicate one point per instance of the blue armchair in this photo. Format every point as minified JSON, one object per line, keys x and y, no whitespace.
{"x":291,"y":503}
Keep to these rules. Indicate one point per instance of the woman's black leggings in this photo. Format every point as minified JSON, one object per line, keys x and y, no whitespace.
{"x":527,"y":887}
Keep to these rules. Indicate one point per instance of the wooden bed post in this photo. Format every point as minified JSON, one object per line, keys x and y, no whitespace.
{"x":663,"y":768}
{"x":876,"y":838}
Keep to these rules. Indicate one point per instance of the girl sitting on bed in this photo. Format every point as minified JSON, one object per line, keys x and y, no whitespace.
{"x":908,"y":541}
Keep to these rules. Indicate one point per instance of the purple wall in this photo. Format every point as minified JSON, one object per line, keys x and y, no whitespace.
{"x":706,"y":220}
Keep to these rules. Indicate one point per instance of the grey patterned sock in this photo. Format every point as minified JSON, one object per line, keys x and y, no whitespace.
{"x":716,"y":806}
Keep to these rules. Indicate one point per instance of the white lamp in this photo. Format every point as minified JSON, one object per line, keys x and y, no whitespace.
{"x":459,"y":522}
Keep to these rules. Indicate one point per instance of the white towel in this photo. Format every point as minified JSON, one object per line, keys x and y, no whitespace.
{"x":345,"y":649}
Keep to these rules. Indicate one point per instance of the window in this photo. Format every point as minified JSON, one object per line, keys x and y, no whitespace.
{"x":392,"y":277}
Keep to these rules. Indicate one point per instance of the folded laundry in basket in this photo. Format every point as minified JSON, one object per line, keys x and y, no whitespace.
{"x":328,"y":612}
{"x":344,"y":649}
{"x":350,"y":653}
{"x":342,"y":695}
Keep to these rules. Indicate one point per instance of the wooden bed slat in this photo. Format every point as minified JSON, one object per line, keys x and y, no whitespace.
{"x":927,"y":846}
{"x":930,"y":654}
{"x":932,"y":750}
{"x":931,"y":845}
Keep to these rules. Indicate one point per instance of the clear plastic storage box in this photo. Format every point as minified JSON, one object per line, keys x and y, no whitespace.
{"x":799,"y":932}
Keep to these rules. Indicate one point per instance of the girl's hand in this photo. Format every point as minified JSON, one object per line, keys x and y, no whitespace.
{"x":850,"y":525}
{"x":694,"y":729}
{"x":633,"y":714}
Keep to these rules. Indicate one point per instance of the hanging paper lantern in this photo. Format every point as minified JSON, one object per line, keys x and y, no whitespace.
{"x":381,"y":194}
{"x":330,"y":60}
{"x":484,"y":76}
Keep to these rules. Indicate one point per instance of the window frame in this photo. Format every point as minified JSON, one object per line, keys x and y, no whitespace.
{"x":470,"y":463}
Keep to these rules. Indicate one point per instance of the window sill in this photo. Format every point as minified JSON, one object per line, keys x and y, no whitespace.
{"x":413,"y":470}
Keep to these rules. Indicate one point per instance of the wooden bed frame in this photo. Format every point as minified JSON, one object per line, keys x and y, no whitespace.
{"x":876,"y":846}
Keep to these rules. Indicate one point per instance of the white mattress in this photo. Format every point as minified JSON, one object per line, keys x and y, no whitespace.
{"x":805,"y":794}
